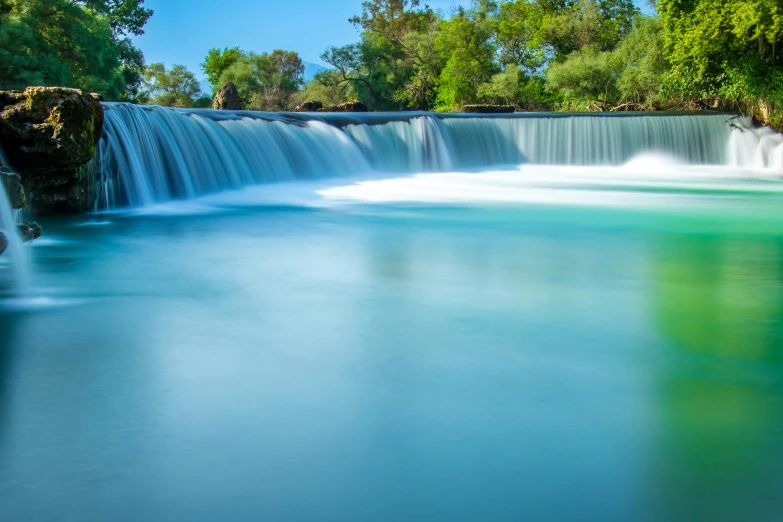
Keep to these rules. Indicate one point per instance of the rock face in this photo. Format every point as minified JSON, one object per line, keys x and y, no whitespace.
{"x":227,"y":98}
{"x":488,"y":109}
{"x":309,"y":106}
{"x":47,"y":134}
{"x":29,"y":231}
{"x":351,"y":106}
{"x":12,"y":182}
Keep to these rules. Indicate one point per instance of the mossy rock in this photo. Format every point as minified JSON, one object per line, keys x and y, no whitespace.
{"x":47,"y":135}
{"x":350,"y":106}
{"x":12,"y":183}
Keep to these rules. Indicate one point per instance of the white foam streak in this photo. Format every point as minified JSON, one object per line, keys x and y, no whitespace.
{"x":646,"y":181}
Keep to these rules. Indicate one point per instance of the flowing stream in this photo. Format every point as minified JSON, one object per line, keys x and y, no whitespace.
{"x":404,"y":317}
{"x":151,"y":155}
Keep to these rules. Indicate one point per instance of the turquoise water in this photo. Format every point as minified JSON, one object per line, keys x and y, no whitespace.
{"x":401,"y":362}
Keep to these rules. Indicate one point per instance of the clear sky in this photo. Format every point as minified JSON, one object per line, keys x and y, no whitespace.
{"x":182,"y":31}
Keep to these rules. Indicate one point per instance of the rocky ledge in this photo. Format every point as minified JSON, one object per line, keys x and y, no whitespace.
{"x":488,"y":109}
{"x":12,"y":183}
{"x":227,"y":98}
{"x":309,"y":106}
{"x":27,"y":232}
{"x":351,"y":106}
{"x":47,"y":135}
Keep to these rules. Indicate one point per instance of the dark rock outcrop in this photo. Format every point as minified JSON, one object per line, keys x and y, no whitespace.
{"x":48,"y":134}
{"x":488,"y":109}
{"x":309,"y":106}
{"x":227,"y":98}
{"x":29,"y":231}
{"x":12,"y":182}
{"x":351,"y":106}
{"x":3,"y":243}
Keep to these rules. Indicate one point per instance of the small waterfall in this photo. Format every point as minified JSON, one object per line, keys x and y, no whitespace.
{"x":587,"y":140}
{"x":421,"y":144}
{"x":756,"y":148}
{"x":153,"y":154}
{"x":15,"y":254}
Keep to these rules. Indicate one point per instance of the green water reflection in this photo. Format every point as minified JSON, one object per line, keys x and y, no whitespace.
{"x":718,"y":299}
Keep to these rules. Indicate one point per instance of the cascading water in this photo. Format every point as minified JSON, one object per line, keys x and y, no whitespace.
{"x":152,"y":154}
{"x":15,"y":254}
{"x":756,"y":148}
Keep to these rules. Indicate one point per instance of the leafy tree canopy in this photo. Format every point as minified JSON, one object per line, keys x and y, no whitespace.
{"x":217,"y":61}
{"x":72,"y":44}
{"x":266,"y":81}
{"x":175,"y":87}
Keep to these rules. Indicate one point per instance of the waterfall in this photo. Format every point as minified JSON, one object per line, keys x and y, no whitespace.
{"x":420,"y":144}
{"x":587,"y":140}
{"x":756,"y":148}
{"x":152,"y":154}
{"x":15,"y":254}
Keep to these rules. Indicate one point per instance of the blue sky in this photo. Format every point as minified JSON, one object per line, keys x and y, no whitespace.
{"x":182,"y":31}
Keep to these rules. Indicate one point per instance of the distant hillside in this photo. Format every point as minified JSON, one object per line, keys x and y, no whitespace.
{"x":311,"y":69}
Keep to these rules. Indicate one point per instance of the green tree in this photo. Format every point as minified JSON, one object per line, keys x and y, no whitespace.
{"x":56,"y":42}
{"x":645,"y":67}
{"x":503,"y":88}
{"x":175,"y":87}
{"x":124,"y":16}
{"x":514,"y":86}
{"x":571,"y":25}
{"x":522,"y":34}
{"x":325,"y":90}
{"x":397,"y":66}
{"x":265,"y":81}
{"x":355,"y":67}
{"x":424,"y":65}
{"x":67,"y":43}
{"x":468,"y":47}
{"x":217,"y":61}
{"x":588,"y":79}
{"x":726,"y":50}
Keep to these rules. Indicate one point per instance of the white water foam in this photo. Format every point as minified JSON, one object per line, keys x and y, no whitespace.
{"x":645,"y":181}
{"x":760,"y":148}
{"x":94,"y":223}
{"x":36,"y":303}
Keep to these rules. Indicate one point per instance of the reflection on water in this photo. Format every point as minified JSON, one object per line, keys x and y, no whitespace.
{"x":722,"y":295}
{"x":398,"y":364}
{"x":719,"y":300}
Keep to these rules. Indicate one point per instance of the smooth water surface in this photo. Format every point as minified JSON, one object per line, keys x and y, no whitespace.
{"x":400,"y":362}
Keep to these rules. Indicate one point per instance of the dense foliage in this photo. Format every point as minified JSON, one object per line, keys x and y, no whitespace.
{"x":532,"y":54}
{"x":727,"y":51}
{"x":267,"y":82}
{"x":565,"y":54}
{"x":175,"y":87}
{"x":72,"y":43}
